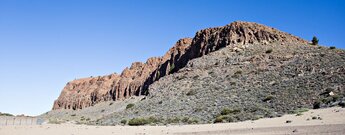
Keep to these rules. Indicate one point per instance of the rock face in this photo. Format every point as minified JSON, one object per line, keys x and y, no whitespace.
{"x":135,"y":80}
{"x":132,"y":81}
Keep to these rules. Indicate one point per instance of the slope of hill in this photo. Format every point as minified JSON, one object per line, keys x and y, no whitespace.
{"x":134,"y":81}
{"x":237,"y":72}
{"x":229,"y":86}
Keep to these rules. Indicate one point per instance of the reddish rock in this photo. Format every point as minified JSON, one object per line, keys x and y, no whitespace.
{"x":135,"y":80}
{"x":86,"y":92}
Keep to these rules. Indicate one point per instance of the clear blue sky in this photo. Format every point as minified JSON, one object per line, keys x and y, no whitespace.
{"x":44,"y":44}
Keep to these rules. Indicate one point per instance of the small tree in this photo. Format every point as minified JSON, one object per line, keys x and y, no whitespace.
{"x":315,"y":41}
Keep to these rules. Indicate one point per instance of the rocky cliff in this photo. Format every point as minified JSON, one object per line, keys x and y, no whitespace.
{"x":135,"y":80}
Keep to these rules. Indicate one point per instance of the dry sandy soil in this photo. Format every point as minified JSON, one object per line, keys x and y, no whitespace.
{"x":316,"y":122}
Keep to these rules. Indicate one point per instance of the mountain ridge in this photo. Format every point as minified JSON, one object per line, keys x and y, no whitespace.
{"x":135,"y":80}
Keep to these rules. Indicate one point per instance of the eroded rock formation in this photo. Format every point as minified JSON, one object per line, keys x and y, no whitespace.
{"x":135,"y":80}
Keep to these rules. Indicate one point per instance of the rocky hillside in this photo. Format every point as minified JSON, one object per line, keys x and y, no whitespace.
{"x":134,"y":81}
{"x":230,"y":85}
{"x":241,"y":71}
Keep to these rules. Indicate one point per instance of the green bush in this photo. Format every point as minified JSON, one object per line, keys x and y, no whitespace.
{"x":143,"y":121}
{"x":129,"y":106}
{"x":227,"y":111}
{"x":152,"y":120}
{"x":124,"y":121}
{"x":224,"y":118}
{"x":173,"y":120}
{"x":315,"y":41}
{"x":218,"y":119}
{"x":138,"y":122}
{"x":185,"y":119}
{"x":158,"y":74}
{"x":172,"y":67}
{"x":332,"y":47}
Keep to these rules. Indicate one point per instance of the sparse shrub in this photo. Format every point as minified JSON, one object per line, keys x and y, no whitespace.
{"x":191,"y":93}
{"x":129,"y":106}
{"x":173,"y":120}
{"x":158,"y":74}
{"x":73,"y":115}
{"x":137,"y":122}
{"x":224,"y":118}
{"x":172,"y":67}
{"x":185,"y":119}
{"x":193,"y":121}
{"x":315,"y":41}
{"x":152,"y":120}
{"x":332,"y":47}
{"x":143,"y":121}
{"x":111,"y":103}
{"x":269,"y":51}
{"x":317,"y":105}
{"x":218,"y":119}
{"x":225,"y":111}
{"x":268,"y":98}
{"x":124,"y":122}
{"x":103,"y":110}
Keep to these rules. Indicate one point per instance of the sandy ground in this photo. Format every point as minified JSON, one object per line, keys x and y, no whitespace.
{"x":331,"y":121}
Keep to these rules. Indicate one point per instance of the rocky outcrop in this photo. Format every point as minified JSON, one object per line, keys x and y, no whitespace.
{"x":132,"y":81}
{"x":135,"y":80}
